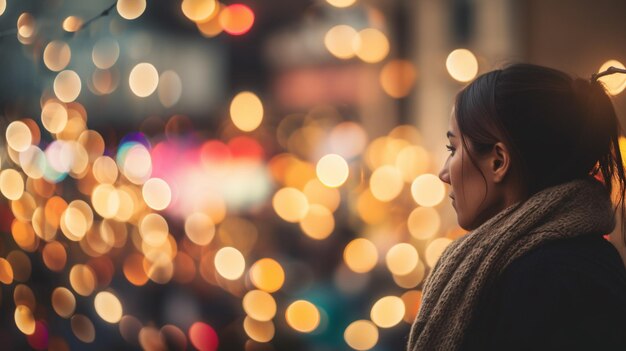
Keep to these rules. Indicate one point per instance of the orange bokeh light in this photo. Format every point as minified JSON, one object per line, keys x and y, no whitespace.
{"x":236,"y":19}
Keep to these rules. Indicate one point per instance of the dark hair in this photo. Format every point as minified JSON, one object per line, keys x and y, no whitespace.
{"x":557,"y":128}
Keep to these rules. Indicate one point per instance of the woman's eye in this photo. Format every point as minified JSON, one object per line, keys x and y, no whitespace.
{"x":450,"y":149}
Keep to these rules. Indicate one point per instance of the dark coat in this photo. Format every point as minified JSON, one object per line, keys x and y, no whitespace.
{"x":566,"y":295}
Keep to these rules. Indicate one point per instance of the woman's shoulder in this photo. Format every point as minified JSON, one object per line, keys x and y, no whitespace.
{"x":567,"y":294}
{"x":580,"y":268}
{"x":590,"y":258}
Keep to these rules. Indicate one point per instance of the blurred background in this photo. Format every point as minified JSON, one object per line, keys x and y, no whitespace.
{"x":245,"y":175}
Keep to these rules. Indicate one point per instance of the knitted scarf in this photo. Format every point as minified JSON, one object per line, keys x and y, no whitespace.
{"x":471,"y":263}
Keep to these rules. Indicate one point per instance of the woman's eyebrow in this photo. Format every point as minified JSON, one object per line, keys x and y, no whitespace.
{"x":450,"y":135}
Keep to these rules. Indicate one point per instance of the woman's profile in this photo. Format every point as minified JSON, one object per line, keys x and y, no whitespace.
{"x":534,"y":159}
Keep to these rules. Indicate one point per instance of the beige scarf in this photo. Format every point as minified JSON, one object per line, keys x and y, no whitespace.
{"x":471,"y":263}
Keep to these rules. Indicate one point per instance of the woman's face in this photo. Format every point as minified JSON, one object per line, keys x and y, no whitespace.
{"x":469,"y":190}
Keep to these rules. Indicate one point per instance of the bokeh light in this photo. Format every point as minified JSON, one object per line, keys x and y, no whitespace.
{"x":173,"y":337}
{"x":33,"y":162}
{"x":18,"y":136}
{"x":332,"y":170}
{"x":24,"y":235}
{"x":318,"y":193}
{"x":386,"y":183}
{"x":23,"y":295}
{"x":267,"y":274}
{"x":302,"y":316}
{"x":347,"y":139}
{"x":341,"y":3}
{"x":57,"y":55}
{"x":154,"y":229}
{"x":199,"y":228}
{"x":203,"y":337}
{"x":83,"y":328}
{"x":338,"y":41}
{"x":105,"y":53}
{"x":6,"y":272}
{"x":67,"y":86}
{"x":412,"y":300}
{"x":72,"y":24}
{"x":462,"y":65}
{"x":149,"y":338}
{"x":614,"y":83}
{"x":104,"y":81}
{"x":318,"y":223}
{"x":428,"y":190}
{"x":24,"y":207}
{"x":412,"y":161}
{"x":108,"y":307}
{"x":360,"y":255}
{"x":105,"y":170}
{"x":398,"y":78}
{"x":143,"y":79}
{"x":93,"y":143}
{"x":411,"y":279}
{"x":259,"y":331}
{"x":135,"y":162}
{"x":230,"y":263}
{"x":156,"y":193}
{"x":82,"y":279}
{"x":133,"y":270}
{"x":105,"y":200}
{"x":259,"y":305}
{"x":361,"y":335}
{"x":198,"y":10}
{"x":246,"y":111}
{"x":402,"y":258}
{"x":131,"y":9}
{"x":170,"y":88}
{"x":26,"y":26}
{"x":24,"y":319}
{"x":371,"y":210}
{"x":236,"y":19}
{"x":54,"y":256}
{"x":371,"y":45}
{"x":290,"y":204}
{"x":423,"y":223}
{"x":63,"y":302}
{"x":388,"y":311}
{"x":435,"y":249}
{"x":54,"y":116}
{"x":11,"y":184}
{"x":211,"y":27}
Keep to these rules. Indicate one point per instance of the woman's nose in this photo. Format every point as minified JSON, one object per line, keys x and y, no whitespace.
{"x":444,"y":175}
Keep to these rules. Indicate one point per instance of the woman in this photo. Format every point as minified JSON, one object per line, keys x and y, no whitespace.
{"x":534,"y":157}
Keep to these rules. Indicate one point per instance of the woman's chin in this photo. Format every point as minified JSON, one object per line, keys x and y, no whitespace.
{"x":466,"y":224}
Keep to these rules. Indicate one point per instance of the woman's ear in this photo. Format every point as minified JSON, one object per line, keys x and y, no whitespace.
{"x":501,"y":162}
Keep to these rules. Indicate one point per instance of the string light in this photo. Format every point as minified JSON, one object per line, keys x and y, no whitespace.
{"x":615,"y":83}
{"x":131,"y":9}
